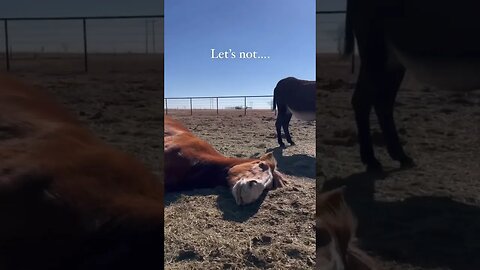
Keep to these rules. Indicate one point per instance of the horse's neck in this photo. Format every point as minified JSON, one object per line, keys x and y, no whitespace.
{"x":227,"y":162}
{"x":212,"y":172}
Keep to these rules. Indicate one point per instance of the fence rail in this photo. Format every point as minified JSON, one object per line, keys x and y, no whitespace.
{"x":83,"y":20}
{"x":241,"y":104}
{"x":330,"y":12}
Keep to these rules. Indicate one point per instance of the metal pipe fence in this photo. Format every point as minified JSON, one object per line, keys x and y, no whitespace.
{"x":217,"y":103}
{"x":87,"y":35}
{"x":83,"y":47}
{"x":337,"y":12}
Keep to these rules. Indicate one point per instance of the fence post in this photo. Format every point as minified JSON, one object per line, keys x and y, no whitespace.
{"x":153,"y":36}
{"x":191,"y":107}
{"x":166,"y":106}
{"x":7,"y":52}
{"x":353,"y":58}
{"x":245,"y":103}
{"x":85,"y":53}
{"x":217,"y":105}
{"x":146,"y":36}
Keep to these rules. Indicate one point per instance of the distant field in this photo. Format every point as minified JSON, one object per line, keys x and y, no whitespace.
{"x":69,"y":62}
{"x":221,"y":112}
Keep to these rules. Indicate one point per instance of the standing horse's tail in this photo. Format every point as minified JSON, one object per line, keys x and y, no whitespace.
{"x":349,"y":42}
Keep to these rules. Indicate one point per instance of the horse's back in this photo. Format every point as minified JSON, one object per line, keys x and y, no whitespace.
{"x":298,"y":95}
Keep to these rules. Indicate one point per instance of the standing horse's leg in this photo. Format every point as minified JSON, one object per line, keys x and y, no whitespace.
{"x":384,"y":104}
{"x":362,"y":102}
{"x":285,"y":125}
{"x":281,"y":114}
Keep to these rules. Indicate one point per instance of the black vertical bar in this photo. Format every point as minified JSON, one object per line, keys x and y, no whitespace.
{"x":166,"y":106}
{"x":153,"y":36}
{"x":217,"y":105}
{"x":146,"y":36}
{"x":7,"y":50}
{"x":245,"y":103}
{"x":191,"y":107}
{"x":353,"y":58}
{"x":85,"y":51}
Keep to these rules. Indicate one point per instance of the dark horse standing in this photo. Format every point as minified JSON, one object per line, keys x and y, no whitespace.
{"x":293,"y":96}
{"x":437,"y":40}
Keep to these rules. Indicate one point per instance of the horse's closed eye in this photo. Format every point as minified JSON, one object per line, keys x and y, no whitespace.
{"x":263,"y":166}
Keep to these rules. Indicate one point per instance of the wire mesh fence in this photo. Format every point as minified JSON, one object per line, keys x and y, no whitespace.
{"x":215,"y":105}
{"x":79,"y":43}
{"x":331,"y":35}
{"x":330,"y":29}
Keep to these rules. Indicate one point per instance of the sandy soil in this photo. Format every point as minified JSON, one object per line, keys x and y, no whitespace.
{"x":204,"y":229}
{"x":421,"y":218}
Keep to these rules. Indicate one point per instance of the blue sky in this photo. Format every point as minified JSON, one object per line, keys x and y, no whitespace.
{"x":283,"y":30}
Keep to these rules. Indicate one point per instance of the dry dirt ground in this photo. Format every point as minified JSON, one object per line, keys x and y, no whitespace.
{"x":205,"y":229}
{"x":427,"y":217}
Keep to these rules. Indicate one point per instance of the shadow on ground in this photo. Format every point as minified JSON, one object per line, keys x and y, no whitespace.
{"x":225,"y":202}
{"x":427,"y":231}
{"x":298,"y":165}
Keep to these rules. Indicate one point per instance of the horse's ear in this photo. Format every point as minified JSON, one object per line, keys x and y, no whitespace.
{"x":330,"y":201}
{"x":268,"y":157}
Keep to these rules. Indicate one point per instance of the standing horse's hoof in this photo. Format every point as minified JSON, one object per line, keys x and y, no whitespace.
{"x":407,"y":162}
{"x":374,"y":167}
{"x":282,"y":145}
{"x":292,"y":143}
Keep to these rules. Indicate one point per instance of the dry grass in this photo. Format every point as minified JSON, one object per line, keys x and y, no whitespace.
{"x":208,"y":231}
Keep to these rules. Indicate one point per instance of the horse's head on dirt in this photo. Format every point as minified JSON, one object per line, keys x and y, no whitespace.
{"x":250,"y":178}
{"x":192,"y":163}
{"x":335,"y":235}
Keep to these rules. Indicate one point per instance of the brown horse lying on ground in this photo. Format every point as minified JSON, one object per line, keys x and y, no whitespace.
{"x":335,"y":235}
{"x":68,"y":200}
{"x":192,"y":163}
